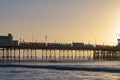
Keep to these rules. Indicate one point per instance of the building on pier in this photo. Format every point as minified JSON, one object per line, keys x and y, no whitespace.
{"x":8,"y":41}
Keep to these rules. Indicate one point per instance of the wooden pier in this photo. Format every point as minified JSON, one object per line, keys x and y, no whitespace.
{"x":56,"y":54}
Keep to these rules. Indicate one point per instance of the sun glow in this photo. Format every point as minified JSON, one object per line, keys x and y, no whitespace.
{"x":116,"y":33}
{"x":117,"y":30}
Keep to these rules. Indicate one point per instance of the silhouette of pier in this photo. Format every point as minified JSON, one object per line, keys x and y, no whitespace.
{"x":14,"y":51}
{"x":34,"y":53}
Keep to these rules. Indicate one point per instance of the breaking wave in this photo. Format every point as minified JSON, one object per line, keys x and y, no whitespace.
{"x":65,"y":67}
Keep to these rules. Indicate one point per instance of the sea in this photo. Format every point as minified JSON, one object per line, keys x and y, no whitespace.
{"x":82,"y":70}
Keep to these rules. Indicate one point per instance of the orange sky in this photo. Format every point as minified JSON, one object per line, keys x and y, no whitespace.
{"x":61,"y":20}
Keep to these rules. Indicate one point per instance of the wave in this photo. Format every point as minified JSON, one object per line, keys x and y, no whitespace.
{"x":64,"y":67}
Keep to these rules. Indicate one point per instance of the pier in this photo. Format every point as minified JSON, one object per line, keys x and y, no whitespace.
{"x":15,"y":51}
{"x":56,"y":54}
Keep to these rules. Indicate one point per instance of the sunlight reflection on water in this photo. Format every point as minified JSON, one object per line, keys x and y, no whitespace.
{"x":50,"y":74}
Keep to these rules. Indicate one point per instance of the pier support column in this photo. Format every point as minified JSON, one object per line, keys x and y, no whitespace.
{"x":27,"y":54}
{"x":35,"y":55}
{"x":67,"y":55}
{"x":50,"y":55}
{"x":46,"y":54}
{"x":79,"y":57}
{"x":7,"y":55}
{"x":10,"y":54}
{"x":75,"y":55}
{"x":31,"y":55}
{"x":14,"y":54}
{"x":3,"y":57}
{"x":72,"y":55}
{"x":63,"y":55}
{"x":54,"y":55}
{"x":83,"y":55}
{"x":59,"y":55}
{"x":19,"y":54}
{"x":23,"y":54}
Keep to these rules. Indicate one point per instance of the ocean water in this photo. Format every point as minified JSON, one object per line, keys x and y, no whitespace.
{"x":87,"y":70}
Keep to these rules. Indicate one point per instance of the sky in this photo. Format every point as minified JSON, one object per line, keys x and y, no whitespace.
{"x":88,"y":21}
